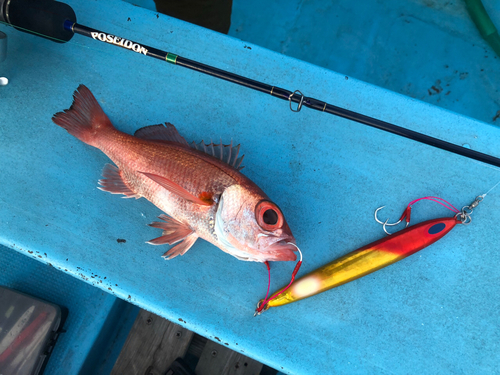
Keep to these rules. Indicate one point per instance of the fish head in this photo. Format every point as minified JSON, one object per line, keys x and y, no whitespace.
{"x":251,"y":227}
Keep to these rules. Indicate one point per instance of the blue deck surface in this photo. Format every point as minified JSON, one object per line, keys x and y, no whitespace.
{"x":431,"y":313}
{"x":425,"y":49}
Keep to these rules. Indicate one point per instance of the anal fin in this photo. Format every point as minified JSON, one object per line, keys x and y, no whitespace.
{"x":173,"y":232}
{"x":181,"y":248}
{"x":114,"y":183}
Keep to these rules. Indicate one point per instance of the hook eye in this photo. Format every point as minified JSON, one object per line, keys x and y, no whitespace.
{"x":257,"y":312}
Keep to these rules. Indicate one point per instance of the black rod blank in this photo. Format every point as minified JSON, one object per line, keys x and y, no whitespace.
{"x":281,"y":93}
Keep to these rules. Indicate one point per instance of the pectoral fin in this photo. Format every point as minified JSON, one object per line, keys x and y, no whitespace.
{"x":204,"y":199}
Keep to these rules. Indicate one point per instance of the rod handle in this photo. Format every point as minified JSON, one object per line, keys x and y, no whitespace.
{"x":44,"y":18}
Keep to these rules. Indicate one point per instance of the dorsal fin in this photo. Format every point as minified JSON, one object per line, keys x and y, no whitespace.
{"x":226,"y":153}
{"x":161,"y":133}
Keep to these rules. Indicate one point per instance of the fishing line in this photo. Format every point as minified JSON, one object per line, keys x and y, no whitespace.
{"x":261,"y":306}
{"x":489,"y":191}
{"x":490,"y":167}
{"x":495,"y":169}
{"x":441,"y":201}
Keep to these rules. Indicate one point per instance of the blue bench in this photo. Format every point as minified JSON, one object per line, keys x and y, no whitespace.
{"x":434,"y":312}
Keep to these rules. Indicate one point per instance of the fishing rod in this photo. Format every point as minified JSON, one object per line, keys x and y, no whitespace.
{"x":57,"y":21}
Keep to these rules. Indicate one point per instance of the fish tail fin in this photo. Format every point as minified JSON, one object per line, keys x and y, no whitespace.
{"x":85,"y":119}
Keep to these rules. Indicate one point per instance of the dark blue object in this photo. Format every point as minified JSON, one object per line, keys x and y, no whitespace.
{"x":44,"y":18}
{"x":437,"y":228}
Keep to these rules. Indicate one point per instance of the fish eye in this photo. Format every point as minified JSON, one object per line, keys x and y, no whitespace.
{"x":268,"y":216}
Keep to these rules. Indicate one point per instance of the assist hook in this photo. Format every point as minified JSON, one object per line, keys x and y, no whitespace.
{"x":463,"y":215}
{"x":406,"y":215}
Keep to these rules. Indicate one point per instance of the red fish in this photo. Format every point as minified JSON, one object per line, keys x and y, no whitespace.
{"x":199,"y":187}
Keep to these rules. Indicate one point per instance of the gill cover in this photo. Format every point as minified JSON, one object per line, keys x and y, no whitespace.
{"x":250,"y":227}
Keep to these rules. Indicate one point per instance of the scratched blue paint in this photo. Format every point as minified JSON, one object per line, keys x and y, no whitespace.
{"x":327,"y":174}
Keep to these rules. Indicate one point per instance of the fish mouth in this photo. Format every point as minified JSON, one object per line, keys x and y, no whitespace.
{"x":281,"y":251}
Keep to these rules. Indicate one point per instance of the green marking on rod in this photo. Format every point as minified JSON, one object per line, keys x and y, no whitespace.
{"x":171,"y":58}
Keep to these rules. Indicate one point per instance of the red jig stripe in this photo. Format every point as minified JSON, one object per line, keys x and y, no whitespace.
{"x":410,"y":240}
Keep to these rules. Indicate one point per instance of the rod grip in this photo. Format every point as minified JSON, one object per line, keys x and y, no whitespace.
{"x":44,"y":18}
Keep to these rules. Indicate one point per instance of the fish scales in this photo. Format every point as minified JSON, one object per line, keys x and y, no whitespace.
{"x":172,"y":161}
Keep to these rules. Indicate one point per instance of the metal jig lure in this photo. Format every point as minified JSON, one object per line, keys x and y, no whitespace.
{"x":374,"y":256}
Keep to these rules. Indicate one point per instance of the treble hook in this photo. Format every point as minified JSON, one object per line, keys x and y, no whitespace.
{"x":387,"y":224}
